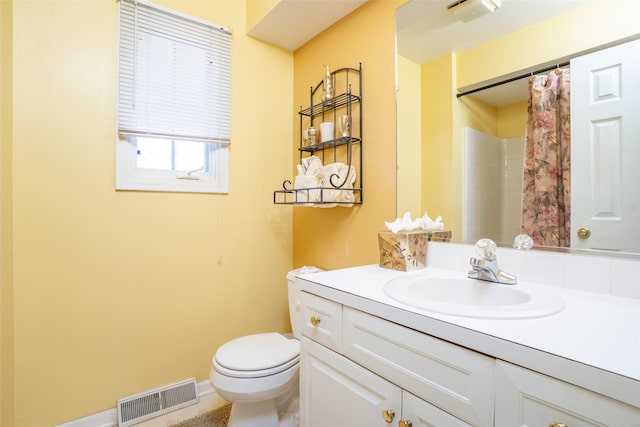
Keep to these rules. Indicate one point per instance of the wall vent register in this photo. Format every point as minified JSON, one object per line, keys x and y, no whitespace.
{"x":153,"y":403}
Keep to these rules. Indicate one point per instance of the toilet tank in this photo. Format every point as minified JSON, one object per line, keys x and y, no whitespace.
{"x":294,"y":298}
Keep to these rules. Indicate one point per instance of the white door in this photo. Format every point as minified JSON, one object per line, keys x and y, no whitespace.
{"x":605,"y":149}
{"x":334,"y":391}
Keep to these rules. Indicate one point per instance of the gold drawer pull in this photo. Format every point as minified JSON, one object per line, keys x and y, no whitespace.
{"x":388,"y":415}
{"x":315,"y":321}
{"x":405,"y":423}
{"x":558,"y":425}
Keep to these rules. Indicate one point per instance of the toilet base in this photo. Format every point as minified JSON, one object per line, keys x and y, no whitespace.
{"x":254,"y":414}
{"x":289,"y":415}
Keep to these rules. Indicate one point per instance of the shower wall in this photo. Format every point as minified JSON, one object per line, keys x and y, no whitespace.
{"x":492,"y":186}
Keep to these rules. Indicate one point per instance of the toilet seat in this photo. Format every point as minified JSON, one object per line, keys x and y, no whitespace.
{"x":255,"y":356}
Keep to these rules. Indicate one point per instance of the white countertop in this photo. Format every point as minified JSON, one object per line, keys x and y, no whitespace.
{"x":593,"y":343}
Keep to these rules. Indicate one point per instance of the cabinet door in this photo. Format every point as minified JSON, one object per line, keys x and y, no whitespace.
{"x":456,"y":379}
{"x":527,"y":398}
{"x":336,"y":392}
{"x":423,"y":414}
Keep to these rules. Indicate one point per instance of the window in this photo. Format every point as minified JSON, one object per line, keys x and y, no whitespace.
{"x":174,"y":101}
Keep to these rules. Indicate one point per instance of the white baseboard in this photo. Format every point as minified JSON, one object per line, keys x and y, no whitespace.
{"x":109,"y":418}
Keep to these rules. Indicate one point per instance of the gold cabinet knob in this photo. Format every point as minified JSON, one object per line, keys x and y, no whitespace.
{"x":315,"y":321}
{"x":558,"y":425}
{"x":583,"y":233}
{"x":388,"y":415}
{"x":405,"y":423}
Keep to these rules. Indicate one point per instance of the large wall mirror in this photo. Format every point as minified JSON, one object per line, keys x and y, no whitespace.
{"x":463,"y":84}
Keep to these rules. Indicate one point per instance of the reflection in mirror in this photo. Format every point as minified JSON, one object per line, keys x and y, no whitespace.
{"x":439,"y":57}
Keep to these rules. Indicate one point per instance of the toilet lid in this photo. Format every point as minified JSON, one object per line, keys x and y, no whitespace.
{"x":257,"y":352}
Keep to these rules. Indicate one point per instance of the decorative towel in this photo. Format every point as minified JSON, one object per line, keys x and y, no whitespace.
{"x":310,"y":166}
{"x":307,"y":189}
{"x":348,"y":196}
{"x":314,"y":183}
{"x":342,"y":194}
{"x":309,"y":180}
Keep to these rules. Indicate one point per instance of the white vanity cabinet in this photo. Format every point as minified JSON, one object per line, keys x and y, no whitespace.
{"x":335,"y":391}
{"x":357,"y":369}
{"x":455,"y":379}
{"x":384,"y":374}
{"x":527,"y":398}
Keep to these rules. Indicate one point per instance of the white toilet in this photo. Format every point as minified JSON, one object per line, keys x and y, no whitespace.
{"x":258,"y":373}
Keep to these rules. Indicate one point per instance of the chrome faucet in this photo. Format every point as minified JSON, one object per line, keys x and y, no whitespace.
{"x":486,"y":266}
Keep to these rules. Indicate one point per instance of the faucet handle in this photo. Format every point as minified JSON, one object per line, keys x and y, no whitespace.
{"x":476,"y":262}
{"x":486,"y":249}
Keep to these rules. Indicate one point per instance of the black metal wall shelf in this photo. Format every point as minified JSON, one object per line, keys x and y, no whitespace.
{"x":334,"y":190}
{"x":329,"y":144}
{"x":341,"y":100}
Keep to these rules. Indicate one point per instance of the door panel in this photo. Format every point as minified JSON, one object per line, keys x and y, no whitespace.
{"x":605,"y":148}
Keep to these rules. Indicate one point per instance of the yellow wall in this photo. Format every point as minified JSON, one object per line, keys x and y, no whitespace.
{"x":257,"y":10}
{"x":409,"y":128}
{"x":439,"y":176}
{"x":118,"y":292}
{"x":597,"y":23}
{"x":341,"y":237}
{"x":512,"y":120}
{"x":6,"y":218}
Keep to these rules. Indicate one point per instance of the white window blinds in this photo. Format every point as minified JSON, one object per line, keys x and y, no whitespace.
{"x":174,"y":75}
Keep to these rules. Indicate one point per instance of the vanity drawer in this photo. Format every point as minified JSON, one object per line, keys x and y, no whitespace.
{"x":321,"y":320}
{"x":452,"y":378}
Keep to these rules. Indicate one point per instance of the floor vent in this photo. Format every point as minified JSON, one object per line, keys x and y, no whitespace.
{"x":152,"y":403}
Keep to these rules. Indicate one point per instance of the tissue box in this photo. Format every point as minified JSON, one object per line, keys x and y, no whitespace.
{"x":404,"y":251}
{"x":440,"y":236}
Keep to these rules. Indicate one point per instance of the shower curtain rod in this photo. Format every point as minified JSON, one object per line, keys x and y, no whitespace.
{"x":512,"y":79}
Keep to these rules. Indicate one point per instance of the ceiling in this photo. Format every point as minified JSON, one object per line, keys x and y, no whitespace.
{"x":292,"y":23}
{"x":427,"y":30}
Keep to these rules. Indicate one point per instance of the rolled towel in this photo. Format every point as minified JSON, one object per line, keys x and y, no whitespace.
{"x":310,"y":166}
{"x":307,"y":189}
{"x":348,"y":196}
{"x":329,"y":194}
{"x":345,"y":193}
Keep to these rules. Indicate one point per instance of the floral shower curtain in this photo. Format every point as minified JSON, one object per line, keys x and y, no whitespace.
{"x":546,"y":202}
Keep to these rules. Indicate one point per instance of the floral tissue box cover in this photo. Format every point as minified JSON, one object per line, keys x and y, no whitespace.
{"x":404,"y":251}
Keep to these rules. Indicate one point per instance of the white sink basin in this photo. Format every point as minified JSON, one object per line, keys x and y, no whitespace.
{"x":460,"y":296}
